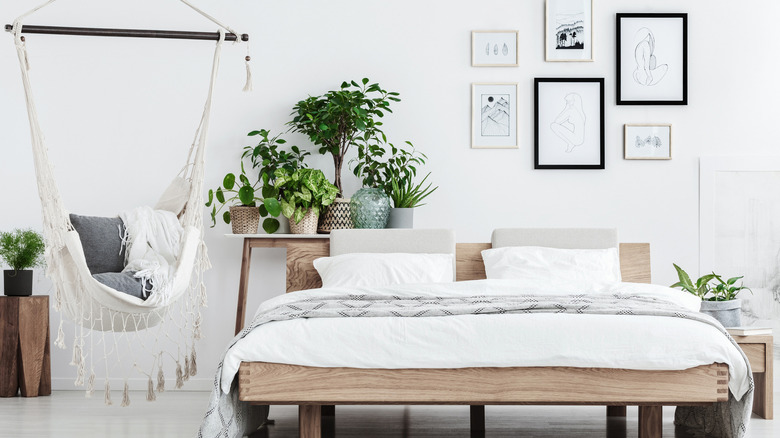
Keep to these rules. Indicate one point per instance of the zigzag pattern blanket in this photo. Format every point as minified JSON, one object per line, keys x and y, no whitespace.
{"x":229,"y":417}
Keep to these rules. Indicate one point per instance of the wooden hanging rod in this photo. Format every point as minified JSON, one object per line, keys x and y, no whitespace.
{"x":132,"y":33}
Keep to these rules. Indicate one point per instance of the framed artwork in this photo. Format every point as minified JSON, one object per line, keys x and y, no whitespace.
{"x":494,"y":115}
{"x":647,"y":142}
{"x":569,"y":121}
{"x":494,"y":48}
{"x":652,"y":59}
{"x":568,"y":30}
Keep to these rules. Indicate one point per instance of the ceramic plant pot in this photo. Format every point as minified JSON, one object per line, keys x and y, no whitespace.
{"x":370,"y":208}
{"x":244,"y":220}
{"x":18,"y":283}
{"x":728,"y":313}
{"x":307,"y":225}
{"x":336,"y":216}
{"x":401,"y":218}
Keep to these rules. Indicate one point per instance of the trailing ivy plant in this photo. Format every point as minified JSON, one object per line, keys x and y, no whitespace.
{"x":343,"y":118}
{"x":721,"y":290}
{"x":22,"y":249}
{"x":394,"y":173}
{"x":303,"y":190}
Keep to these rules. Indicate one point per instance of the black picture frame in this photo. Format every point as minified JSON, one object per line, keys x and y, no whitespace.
{"x":622,"y":82}
{"x":538,"y":137}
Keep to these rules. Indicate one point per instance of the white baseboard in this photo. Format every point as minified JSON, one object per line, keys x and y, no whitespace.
{"x":135,"y":384}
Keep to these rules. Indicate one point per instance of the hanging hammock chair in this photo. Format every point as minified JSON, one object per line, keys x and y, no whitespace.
{"x":94,"y":307}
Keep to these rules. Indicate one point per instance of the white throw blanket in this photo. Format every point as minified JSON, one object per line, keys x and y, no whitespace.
{"x":153,"y":241}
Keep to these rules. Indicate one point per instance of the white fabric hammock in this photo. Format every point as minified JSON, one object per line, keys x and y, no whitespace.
{"x":95,"y":307}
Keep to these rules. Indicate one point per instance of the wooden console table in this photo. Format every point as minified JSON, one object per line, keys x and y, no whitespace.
{"x":301,"y":248}
{"x":758,"y":349}
{"x":24,"y":346}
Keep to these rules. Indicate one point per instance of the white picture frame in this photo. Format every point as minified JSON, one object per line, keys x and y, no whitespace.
{"x":494,"y":116}
{"x":494,"y":48}
{"x":568,"y":31}
{"x":647,"y":141}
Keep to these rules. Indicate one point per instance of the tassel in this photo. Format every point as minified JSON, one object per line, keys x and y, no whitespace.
{"x":186,"y":368}
{"x":76,"y":354}
{"x":193,"y":363}
{"x":196,"y":333}
{"x":249,"y":86}
{"x":80,"y":372}
{"x":90,"y":385}
{"x":60,"y":342}
{"x":150,"y":391}
{"x":126,"y":396}
{"x":108,"y":393}
{"x":179,"y":376}
{"x":160,"y":379}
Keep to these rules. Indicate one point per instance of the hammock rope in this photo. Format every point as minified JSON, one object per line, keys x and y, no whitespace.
{"x":97,"y":309}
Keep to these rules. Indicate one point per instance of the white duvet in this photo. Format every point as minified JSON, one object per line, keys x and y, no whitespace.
{"x":604,"y":341}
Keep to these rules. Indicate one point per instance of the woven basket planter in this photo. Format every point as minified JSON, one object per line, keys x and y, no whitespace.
{"x":307,"y":225}
{"x":336,"y":216}
{"x":244,"y":220}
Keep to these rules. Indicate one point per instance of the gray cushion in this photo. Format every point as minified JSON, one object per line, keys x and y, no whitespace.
{"x":561,"y":238}
{"x":122,"y":282}
{"x":102,"y":242}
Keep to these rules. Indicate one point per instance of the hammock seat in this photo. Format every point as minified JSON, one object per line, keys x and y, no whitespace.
{"x":166,"y":325}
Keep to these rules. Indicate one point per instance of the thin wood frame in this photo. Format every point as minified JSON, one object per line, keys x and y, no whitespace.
{"x":618,"y":79}
{"x":474,"y":52}
{"x":515,"y":118}
{"x":625,"y":140}
{"x":547,"y":35}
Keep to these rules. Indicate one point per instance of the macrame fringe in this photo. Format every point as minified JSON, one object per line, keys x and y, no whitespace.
{"x":179,"y":376}
{"x":160,"y":379}
{"x":80,"y":372}
{"x":196,"y":333}
{"x":108,"y":394}
{"x":60,"y":341}
{"x":126,"y":396}
{"x":150,"y":396}
{"x":76,"y":354}
{"x":90,"y":385}
{"x":193,"y":363}
{"x":186,"y":368}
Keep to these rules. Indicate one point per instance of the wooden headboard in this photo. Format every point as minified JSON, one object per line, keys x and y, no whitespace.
{"x":634,"y":262}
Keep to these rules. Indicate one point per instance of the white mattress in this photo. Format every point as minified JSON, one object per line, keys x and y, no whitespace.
{"x":604,"y":341}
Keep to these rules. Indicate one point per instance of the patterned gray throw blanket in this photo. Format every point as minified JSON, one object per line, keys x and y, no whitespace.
{"x":228,"y":417}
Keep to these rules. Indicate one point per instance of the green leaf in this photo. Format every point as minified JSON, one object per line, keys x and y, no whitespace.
{"x":246,"y":195}
{"x":273,"y":205}
{"x":683,"y":276}
{"x":254,"y":133}
{"x":270,"y":192}
{"x":271,"y":225}
{"x":365,"y":81}
{"x":211,"y":198}
{"x":220,"y":196}
{"x":287,"y":209}
{"x":228,"y":182}
{"x":226,"y":217}
{"x":263,"y":210}
{"x":323,"y":127}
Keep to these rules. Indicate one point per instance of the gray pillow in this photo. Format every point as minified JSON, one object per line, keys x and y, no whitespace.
{"x":102,"y":242}
{"x":122,"y":282}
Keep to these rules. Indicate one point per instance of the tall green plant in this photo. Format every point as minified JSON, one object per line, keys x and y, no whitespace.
{"x":722,"y":290}
{"x":343,"y":118}
{"x":22,"y":249}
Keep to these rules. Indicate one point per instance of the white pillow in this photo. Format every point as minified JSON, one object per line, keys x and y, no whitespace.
{"x":570,"y":270}
{"x":377,"y":269}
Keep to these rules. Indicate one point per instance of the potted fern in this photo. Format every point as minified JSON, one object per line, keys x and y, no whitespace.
{"x":719,"y":296}
{"x":21,"y":250}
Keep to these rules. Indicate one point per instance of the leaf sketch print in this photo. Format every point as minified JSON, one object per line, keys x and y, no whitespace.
{"x":569,"y":31}
{"x":648,"y":72}
{"x":487,"y":49}
{"x":495,"y":50}
{"x":505,"y":50}
{"x":654,"y":141}
{"x":569,"y":125}
{"x":495,"y":115}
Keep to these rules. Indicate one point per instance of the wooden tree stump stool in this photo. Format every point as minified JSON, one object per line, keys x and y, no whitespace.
{"x":24,"y":346}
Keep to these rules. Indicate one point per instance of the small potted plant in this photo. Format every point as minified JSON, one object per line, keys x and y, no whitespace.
{"x":719,"y":296}
{"x":395,"y":175}
{"x":335,"y":122}
{"x":20,"y":250}
{"x":303,"y":193}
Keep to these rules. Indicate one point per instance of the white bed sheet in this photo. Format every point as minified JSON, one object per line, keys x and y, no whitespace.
{"x":604,"y":341}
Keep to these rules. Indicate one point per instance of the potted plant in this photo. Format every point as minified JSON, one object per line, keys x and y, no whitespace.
{"x":395,"y":175}
{"x":20,"y":250}
{"x":336,"y":121}
{"x":719,"y":296}
{"x":303,"y":193}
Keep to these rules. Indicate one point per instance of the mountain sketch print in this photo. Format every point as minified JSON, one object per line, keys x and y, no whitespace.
{"x":570,"y":32}
{"x":495,"y":115}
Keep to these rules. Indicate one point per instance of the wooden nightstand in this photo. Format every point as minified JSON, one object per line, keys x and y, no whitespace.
{"x":24,"y":346}
{"x":758,"y":349}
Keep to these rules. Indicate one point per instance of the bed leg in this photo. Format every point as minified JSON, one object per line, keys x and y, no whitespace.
{"x":477,"y":418}
{"x":616,"y":411}
{"x":650,"y":421}
{"x":309,"y":421}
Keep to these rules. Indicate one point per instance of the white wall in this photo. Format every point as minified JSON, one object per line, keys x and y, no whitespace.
{"x":119,"y":115}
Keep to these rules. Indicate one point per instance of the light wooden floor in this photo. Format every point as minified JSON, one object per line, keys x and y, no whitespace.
{"x":67,"y":414}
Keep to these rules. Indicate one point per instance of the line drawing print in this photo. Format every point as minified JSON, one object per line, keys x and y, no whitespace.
{"x":505,"y":50}
{"x":495,"y":49}
{"x":647,"y":72}
{"x":654,"y":141}
{"x":569,"y":125}
{"x":495,"y":115}
{"x":570,"y":32}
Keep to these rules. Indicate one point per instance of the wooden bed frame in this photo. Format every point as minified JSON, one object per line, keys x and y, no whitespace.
{"x":311,"y":388}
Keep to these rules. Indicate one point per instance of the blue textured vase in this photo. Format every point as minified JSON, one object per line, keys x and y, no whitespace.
{"x":370,"y":208}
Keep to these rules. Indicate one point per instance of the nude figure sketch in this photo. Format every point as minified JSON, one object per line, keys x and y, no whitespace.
{"x":648,"y":72}
{"x":569,"y":125}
